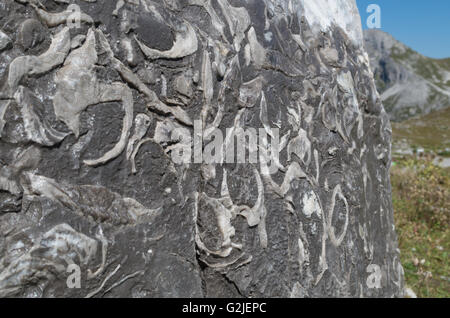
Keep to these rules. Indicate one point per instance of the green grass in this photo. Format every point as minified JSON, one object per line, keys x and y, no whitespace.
{"x":432,"y":131}
{"x":421,"y":201}
{"x":421,"y":198}
{"x":420,"y":190}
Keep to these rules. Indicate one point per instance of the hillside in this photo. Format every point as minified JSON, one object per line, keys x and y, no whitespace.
{"x":430,"y":132}
{"x":410,"y":84}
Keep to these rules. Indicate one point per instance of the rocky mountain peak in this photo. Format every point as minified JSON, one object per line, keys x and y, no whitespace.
{"x":410,"y":84}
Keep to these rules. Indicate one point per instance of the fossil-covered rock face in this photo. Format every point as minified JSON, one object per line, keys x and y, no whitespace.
{"x":94,"y":98}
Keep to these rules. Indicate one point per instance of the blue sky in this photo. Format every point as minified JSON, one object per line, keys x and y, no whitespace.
{"x":423,"y":25}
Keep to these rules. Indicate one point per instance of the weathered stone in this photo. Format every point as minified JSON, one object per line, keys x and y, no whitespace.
{"x":5,"y":41}
{"x":128,"y":85}
{"x":183,"y":86}
{"x":31,"y":33}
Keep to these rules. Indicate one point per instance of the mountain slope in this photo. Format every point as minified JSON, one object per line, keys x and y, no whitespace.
{"x":410,"y":84}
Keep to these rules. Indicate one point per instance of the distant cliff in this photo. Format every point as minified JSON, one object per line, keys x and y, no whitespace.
{"x":410,"y":84}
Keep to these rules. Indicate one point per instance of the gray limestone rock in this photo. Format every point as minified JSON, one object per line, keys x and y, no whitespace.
{"x":5,"y":41}
{"x":97,"y":99}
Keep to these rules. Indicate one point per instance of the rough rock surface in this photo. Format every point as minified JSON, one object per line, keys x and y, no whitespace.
{"x":87,"y":114}
{"x":410,"y":84}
